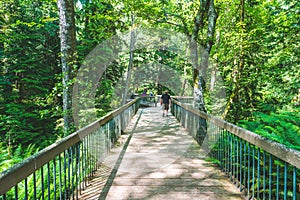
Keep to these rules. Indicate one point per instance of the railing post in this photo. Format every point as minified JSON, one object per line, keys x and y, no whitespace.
{"x":270,"y":176}
{"x":277,"y":181}
{"x":264,"y":174}
{"x":241,"y":164}
{"x":258,"y":173}
{"x":294,"y":183}
{"x":253,"y":172}
{"x":285,"y":181}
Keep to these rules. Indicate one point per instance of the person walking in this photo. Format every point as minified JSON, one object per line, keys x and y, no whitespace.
{"x":166,"y":102}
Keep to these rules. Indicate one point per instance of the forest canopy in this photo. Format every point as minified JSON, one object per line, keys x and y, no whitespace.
{"x":251,"y":47}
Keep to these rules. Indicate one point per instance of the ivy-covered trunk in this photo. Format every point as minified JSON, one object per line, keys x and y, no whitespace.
{"x":68,"y":58}
{"x":206,"y":10}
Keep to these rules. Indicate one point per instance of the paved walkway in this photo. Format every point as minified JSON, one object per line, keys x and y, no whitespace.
{"x":158,"y":159}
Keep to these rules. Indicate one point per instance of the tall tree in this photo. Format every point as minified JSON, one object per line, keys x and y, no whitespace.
{"x":205,"y":19}
{"x":68,"y":57}
{"x":132,"y":41}
{"x":199,"y":28}
{"x":206,"y":8}
{"x":28,"y":56}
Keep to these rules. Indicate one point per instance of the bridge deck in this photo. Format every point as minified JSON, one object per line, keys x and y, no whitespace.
{"x":158,"y":159}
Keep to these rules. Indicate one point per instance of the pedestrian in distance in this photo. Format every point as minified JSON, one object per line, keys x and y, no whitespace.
{"x":166,"y":102}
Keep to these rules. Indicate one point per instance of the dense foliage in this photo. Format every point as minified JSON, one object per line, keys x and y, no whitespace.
{"x":282,"y":126}
{"x":255,"y":51}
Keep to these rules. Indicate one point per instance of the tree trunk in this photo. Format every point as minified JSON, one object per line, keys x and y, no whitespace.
{"x":184,"y":84}
{"x":68,"y":58}
{"x":128,"y":78}
{"x":160,"y":73}
{"x":206,"y":8}
{"x":237,"y":73}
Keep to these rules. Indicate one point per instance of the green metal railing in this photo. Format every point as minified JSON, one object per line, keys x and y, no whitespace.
{"x":63,"y":170}
{"x":259,"y":167}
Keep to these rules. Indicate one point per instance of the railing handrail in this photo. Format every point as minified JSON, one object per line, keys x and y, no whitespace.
{"x":183,"y":97}
{"x":20,"y":171}
{"x":282,"y":152}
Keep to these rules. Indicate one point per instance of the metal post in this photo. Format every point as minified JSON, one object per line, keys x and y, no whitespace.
{"x":294,"y":183}
{"x":26,"y":189}
{"x":277,"y":182}
{"x":54,"y":178}
{"x":34,"y":186}
{"x":16,"y":192}
{"x":241,"y":164}
{"x":285,"y":180}
{"x":264,"y":175}
{"x":42,"y":181}
{"x":258,"y":173}
{"x":253,"y":172}
{"x":270,"y":177}
{"x":48,"y":180}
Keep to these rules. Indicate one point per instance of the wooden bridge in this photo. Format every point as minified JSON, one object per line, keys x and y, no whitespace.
{"x":136,"y":153}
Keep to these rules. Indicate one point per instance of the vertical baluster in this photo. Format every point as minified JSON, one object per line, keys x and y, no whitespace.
{"x":89,"y":160}
{"x":233,"y":151}
{"x":69,"y":172}
{"x":235,"y":161}
{"x":107,"y":137}
{"x":92,"y":153}
{"x":34,"y":186}
{"x":82,"y":172}
{"x":277,"y":181}
{"x":258,"y":173}
{"x":181,"y":113}
{"x":65,"y":176}
{"x":228,"y":154}
{"x":60,"y":177}
{"x":264,"y":174}
{"x":16,"y":192}
{"x":270,"y":176}
{"x":80,"y":165}
{"x":72,"y":171}
{"x":42,"y":181}
{"x":241,"y":164}
{"x":294,"y":183}
{"x":285,"y":180}
{"x":84,"y":162}
{"x":54,"y":178}
{"x":231,"y":157}
{"x":219,"y":145}
{"x":253,"y":172}
{"x":187,"y":120}
{"x":249,"y":168}
{"x":77,"y":164}
{"x":26,"y":189}
{"x":48,"y":181}
{"x":225,"y":150}
{"x":99,"y":142}
{"x":222,"y":160}
{"x":79,"y":168}
{"x":245,"y":167}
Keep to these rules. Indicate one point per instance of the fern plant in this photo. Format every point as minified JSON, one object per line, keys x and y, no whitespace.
{"x":282,"y":126}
